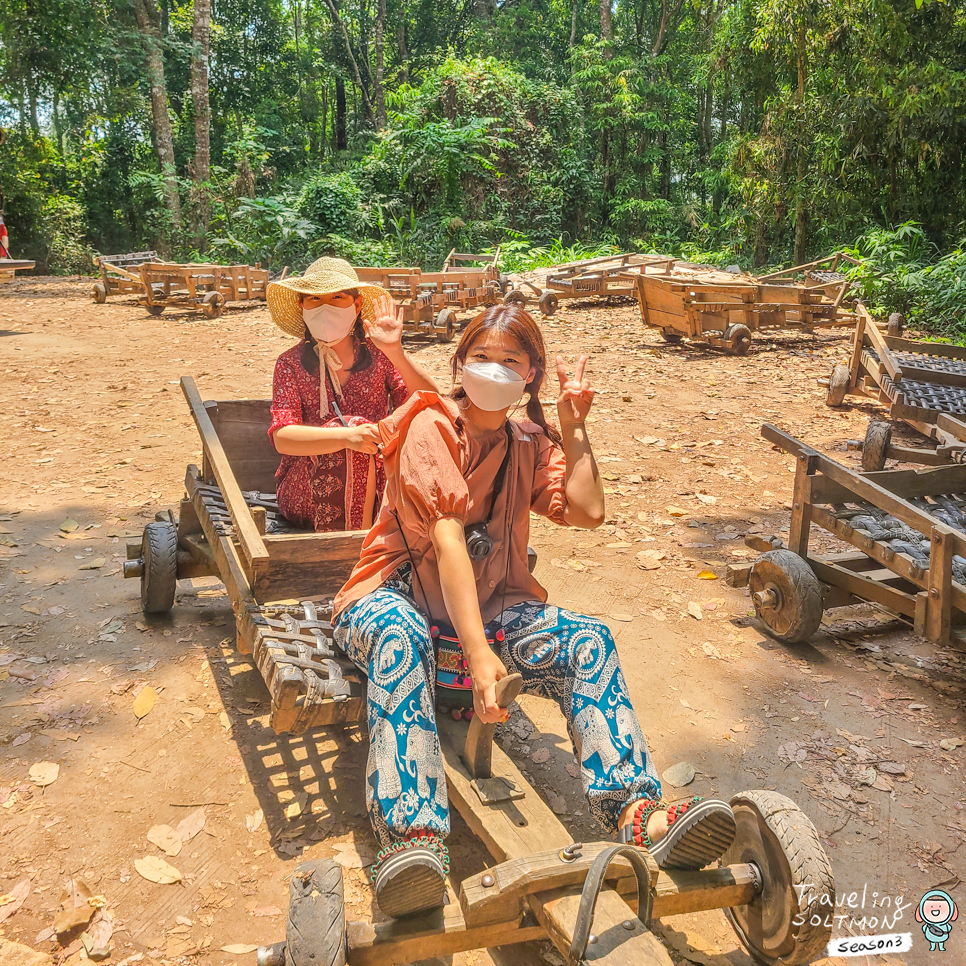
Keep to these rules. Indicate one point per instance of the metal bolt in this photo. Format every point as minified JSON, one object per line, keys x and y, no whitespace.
{"x":488,"y":881}
{"x":570,"y":853}
{"x":934,"y":593}
{"x":591,"y":939}
{"x":628,"y":924}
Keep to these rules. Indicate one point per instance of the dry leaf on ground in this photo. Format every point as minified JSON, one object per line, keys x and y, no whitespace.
{"x":97,"y":937}
{"x":694,"y":610}
{"x":44,"y":773}
{"x":253,"y":821}
{"x":75,"y":907}
{"x":191,"y":824}
{"x":165,"y":838}
{"x":144,"y":701}
{"x":69,"y":526}
{"x":267,"y":911}
{"x":239,"y":949}
{"x":11,"y":901}
{"x":676,"y":511}
{"x":707,"y":575}
{"x":94,"y":564}
{"x":225,"y":720}
{"x":951,"y":744}
{"x":294,"y":808}
{"x":679,"y":775}
{"x":155,"y":869}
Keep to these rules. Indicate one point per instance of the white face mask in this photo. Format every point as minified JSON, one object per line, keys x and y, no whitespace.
{"x":492,"y":387}
{"x":329,"y":324}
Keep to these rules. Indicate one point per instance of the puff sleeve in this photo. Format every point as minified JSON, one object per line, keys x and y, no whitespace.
{"x":548,"y":496}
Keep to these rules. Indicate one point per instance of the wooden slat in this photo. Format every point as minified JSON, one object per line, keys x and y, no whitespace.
{"x":242,"y":426}
{"x":939,"y":595}
{"x":252,"y":545}
{"x":863,"y":588}
{"x":308,"y":564}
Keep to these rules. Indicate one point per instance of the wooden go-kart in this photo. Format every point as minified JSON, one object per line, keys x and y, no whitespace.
{"x":229,"y":526}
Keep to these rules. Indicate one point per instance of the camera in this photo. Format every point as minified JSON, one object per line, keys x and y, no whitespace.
{"x":478,"y":542}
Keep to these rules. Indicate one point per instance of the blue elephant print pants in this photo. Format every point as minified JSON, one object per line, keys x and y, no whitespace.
{"x":561,"y":655}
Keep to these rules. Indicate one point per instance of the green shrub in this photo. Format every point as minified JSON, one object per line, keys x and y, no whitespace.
{"x":62,"y":222}
{"x":333,"y":202}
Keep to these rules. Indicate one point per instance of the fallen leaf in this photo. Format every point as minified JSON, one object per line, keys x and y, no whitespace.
{"x":711,"y":650}
{"x":225,"y":720}
{"x":11,"y":901}
{"x":349,"y":857}
{"x":573,"y":770}
{"x":191,"y":825}
{"x":294,"y":808}
{"x":75,"y":907}
{"x":883,"y":783}
{"x":707,"y":499}
{"x":144,"y":701}
{"x":94,"y":564}
{"x":707,"y":575}
{"x":694,"y":610}
{"x":97,"y":937}
{"x":676,"y":511}
{"x":254,"y":821}
{"x":267,"y":911}
{"x":738,"y":728}
{"x":540,"y":756}
{"x":622,"y":617}
{"x":155,"y":869}
{"x":165,"y":838}
{"x":21,"y":739}
{"x":30,"y":609}
{"x":239,"y":949}
{"x":44,"y":773}
{"x":950,"y":744}
{"x":69,"y":526}
{"x":679,"y":775}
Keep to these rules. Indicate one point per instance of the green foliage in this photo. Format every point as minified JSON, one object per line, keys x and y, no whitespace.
{"x":268,"y":231}
{"x":62,"y":222}
{"x":334,"y":202}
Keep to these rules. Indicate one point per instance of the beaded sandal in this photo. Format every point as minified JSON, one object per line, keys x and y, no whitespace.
{"x":410,"y":876}
{"x":699,"y":830}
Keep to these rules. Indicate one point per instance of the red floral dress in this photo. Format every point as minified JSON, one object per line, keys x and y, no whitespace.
{"x":328,"y":492}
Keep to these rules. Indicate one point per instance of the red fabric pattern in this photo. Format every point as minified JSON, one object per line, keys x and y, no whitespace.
{"x":312,"y":490}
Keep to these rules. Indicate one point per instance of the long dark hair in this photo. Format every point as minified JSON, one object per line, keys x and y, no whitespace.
{"x":362,"y":356}
{"x":514,"y":322}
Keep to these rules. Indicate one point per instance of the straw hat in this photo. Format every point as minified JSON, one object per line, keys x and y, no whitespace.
{"x":323,"y":277}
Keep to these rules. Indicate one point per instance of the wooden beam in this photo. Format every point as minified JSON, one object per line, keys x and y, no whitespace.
{"x":253,"y":547}
{"x":939,"y":595}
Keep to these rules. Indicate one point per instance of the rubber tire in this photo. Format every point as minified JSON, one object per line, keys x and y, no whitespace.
{"x":315,"y":929}
{"x":159,"y":579}
{"x":896,"y":326}
{"x":775,"y":834}
{"x":799,"y":611}
{"x":516,"y":297}
{"x":99,"y":293}
{"x":548,"y":303}
{"x":838,"y":386}
{"x":738,"y":337}
{"x":876,"y":446}
{"x":213,"y":304}
{"x":445,"y":320}
{"x":673,"y":338}
{"x":504,"y":283}
{"x":155,"y":309}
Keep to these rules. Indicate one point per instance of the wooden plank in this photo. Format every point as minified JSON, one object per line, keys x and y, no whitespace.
{"x":431,"y":936}
{"x":939,"y":594}
{"x":940,"y":349}
{"x":252,"y":545}
{"x":863,"y":588}
{"x":886,"y":358}
{"x":511,"y":828}
{"x":308,"y":564}
{"x":802,"y":504}
{"x":242,"y":426}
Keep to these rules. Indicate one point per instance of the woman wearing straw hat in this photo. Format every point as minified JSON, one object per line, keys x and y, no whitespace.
{"x":348,"y":371}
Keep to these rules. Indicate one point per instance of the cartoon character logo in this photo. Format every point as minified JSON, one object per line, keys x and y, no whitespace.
{"x":937,"y":912}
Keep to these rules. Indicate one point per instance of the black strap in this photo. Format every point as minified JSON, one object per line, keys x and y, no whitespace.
{"x":592,"y":887}
{"x":335,"y":395}
{"x":501,"y":472}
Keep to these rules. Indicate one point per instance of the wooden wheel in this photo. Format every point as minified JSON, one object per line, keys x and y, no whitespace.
{"x":783,"y":925}
{"x":154,"y":309}
{"x":738,"y":338}
{"x":159,"y":560}
{"x":876,"y":446}
{"x":515,"y":297}
{"x":445,"y":325}
{"x":99,"y":293}
{"x":838,"y":386}
{"x":787,"y":595}
{"x":315,"y":933}
{"x":548,"y":303}
{"x":896,"y":325}
{"x":212,"y":304}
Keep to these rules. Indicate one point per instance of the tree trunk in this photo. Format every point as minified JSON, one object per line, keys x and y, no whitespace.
{"x":606,"y":21}
{"x":201,"y":37}
{"x":340,"y":23}
{"x":401,"y":44}
{"x":573,"y":22}
{"x":161,"y":123}
{"x":801,"y":236}
{"x":380,"y":65}
{"x":341,"y":141}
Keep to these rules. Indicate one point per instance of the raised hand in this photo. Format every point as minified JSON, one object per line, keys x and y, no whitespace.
{"x":576,"y":396}
{"x":386,"y":327}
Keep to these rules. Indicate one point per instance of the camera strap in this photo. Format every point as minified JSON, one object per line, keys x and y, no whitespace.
{"x":500,"y":473}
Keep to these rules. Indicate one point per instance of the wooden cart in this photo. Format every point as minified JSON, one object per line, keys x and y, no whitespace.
{"x":204,"y":288}
{"x":490,"y":265}
{"x":725,"y":311}
{"x":907,"y":531}
{"x":921,"y":383}
{"x":10,"y":266}
{"x":822,"y":275}
{"x":279,"y":581}
{"x":120,"y":275}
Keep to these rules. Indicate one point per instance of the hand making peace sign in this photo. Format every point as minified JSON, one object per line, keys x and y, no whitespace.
{"x":576,"y":396}
{"x":387,"y":325}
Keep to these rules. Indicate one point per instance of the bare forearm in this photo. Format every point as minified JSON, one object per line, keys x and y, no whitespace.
{"x":458,"y":583}
{"x":298,"y":440}
{"x":583,"y":486}
{"x":413,"y":374}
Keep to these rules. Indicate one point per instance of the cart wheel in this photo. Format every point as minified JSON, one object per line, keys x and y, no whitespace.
{"x":504,"y":282}
{"x":838,"y":386}
{"x":672,"y":337}
{"x":876,"y":446}
{"x":99,"y":293}
{"x":212,"y":304}
{"x":315,"y":932}
{"x":516,"y":297}
{"x":738,"y":338}
{"x":159,"y":576}
{"x":548,"y":303}
{"x":782,"y":925}
{"x":787,"y":595}
{"x":445,"y":325}
{"x":154,"y":309}
{"x":896,"y":325}
{"x":493,"y":292}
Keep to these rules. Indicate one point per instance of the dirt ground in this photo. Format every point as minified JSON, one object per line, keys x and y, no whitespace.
{"x":96,"y":432}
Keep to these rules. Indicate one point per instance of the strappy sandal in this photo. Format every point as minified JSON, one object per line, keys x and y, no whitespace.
{"x":410,"y":877}
{"x":699,"y":830}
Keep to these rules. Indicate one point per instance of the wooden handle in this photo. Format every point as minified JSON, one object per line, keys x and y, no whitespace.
{"x":479,"y":739}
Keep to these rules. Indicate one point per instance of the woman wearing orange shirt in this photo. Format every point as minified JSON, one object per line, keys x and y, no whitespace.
{"x":450,"y":545}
